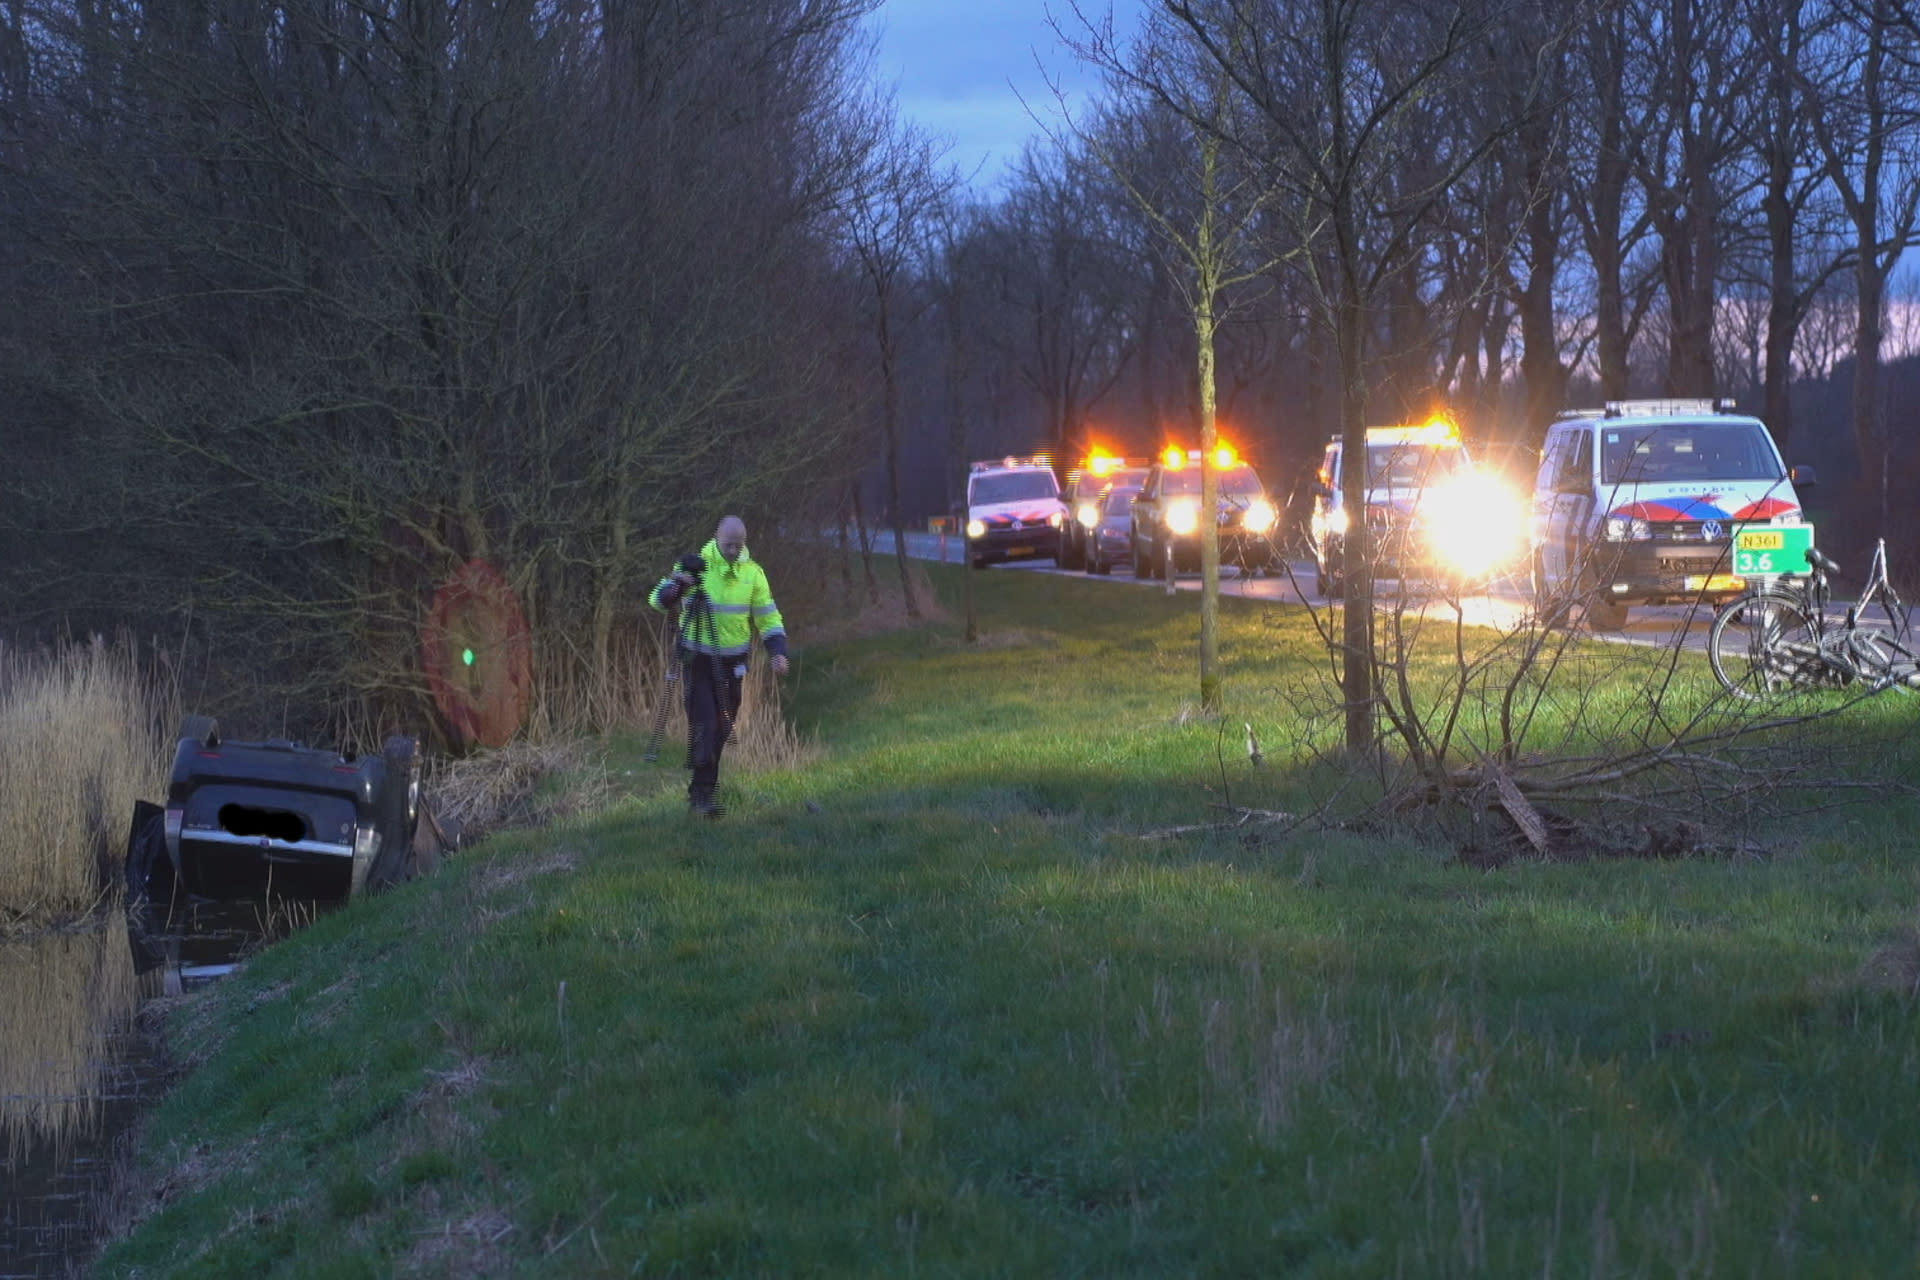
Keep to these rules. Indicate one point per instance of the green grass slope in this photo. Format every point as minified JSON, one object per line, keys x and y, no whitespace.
{"x":949,"y":1001}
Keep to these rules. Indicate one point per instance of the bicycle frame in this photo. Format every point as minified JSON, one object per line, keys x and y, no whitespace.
{"x":1790,"y":641}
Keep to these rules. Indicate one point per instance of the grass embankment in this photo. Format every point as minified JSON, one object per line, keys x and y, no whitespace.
{"x":80,"y":741}
{"x":932,"y":1005}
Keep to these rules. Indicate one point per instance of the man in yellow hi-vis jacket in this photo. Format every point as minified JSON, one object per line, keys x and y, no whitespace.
{"x":724,"y":599}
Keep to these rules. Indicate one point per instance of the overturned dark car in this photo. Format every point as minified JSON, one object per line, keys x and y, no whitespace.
{"x":249,"y":819}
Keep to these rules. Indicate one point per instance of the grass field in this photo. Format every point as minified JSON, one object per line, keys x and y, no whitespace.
{"x":956,"y":998}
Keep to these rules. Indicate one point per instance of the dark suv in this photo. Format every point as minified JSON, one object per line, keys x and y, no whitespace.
{"x":1166,"y":518}
{"x":246,"y":818}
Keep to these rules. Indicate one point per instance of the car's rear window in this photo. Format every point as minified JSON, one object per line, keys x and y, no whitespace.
{"x":1011,"y":486}
{"x":1638,"y":453}
{"x":1237,"y":482}
{"x":1409,"y":466}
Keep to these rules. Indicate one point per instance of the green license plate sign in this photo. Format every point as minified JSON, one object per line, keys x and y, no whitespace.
{"x":1775,"y":549}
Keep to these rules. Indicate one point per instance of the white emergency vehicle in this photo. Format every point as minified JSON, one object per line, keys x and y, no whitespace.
{"x":1014,"y":511}
{"x":1639,"y":503}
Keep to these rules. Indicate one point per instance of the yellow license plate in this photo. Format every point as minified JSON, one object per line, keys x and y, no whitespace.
{"x":1715,"y":582}
{"x":1019,"y":551}
{"x":1760,"y":540}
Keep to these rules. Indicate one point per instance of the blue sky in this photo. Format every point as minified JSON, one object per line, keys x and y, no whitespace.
{"x":960,"y":68}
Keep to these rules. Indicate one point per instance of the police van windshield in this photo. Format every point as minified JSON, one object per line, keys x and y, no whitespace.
{"x":1683,"y":451}
{"x":1234,"y":482}
{"x":1012,"y":486}
{"x":1409,"y":466}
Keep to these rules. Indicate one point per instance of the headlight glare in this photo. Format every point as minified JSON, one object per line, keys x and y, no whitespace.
{"x":1260,"y":516}
{"x":976,"y":528}
{"x":1473,"y":525}
{"x":1183,"y":517}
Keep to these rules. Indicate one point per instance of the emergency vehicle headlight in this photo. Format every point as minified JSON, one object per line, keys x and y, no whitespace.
{"x":1260,"y":516}
{"x":1088,"y":515}
{"x":1474,"y":524}
{"x":1183,"y":516}
{"x":1625,"y":529}
{"x":1056,"y":518}
{"x":976,"y":528}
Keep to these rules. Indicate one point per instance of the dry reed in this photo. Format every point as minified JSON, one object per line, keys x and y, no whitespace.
{"x":62,"y":995}
{"x":81,"y":739}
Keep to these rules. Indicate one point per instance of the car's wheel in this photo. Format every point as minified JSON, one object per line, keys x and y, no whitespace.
{"x":1603,"y":614}
{"x":399,"y":812}
{"x":204,"y":730}
{"x":1548,"y":607}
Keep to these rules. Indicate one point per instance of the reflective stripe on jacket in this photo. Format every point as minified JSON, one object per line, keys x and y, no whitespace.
{"x":729,"y":604}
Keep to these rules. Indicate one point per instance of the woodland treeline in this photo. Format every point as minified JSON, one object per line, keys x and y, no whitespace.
{"x":311,"y":303}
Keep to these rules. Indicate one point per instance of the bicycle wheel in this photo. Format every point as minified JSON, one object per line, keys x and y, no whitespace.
{"x":1766,"y":644}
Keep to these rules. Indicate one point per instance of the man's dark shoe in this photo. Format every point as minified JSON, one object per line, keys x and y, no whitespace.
{"x":703,"y":806}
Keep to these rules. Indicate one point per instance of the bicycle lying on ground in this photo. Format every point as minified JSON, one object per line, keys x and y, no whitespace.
{"x":1779,"y":638}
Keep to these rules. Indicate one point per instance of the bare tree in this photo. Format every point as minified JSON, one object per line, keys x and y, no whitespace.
{"x":892,"y":208}
{"x":335,"y":300}
{"x":1338,"y":87}
{"x":1864,"y":83}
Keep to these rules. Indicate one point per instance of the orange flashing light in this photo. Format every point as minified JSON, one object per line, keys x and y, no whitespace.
{"x":1174,"y":457}
{"x":1224,"y":457}
{"x":1102,"y":463}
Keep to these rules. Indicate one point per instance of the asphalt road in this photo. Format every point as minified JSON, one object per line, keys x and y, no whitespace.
{"x":1504,"y":607}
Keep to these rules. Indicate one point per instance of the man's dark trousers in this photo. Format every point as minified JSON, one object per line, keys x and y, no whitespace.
{"x":713,"y":704}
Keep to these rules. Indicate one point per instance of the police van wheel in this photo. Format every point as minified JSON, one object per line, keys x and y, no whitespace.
{"x":1550,"y":611}
{"x":1603,"y":614}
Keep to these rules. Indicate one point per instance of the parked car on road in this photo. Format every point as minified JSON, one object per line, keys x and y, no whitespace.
{"x":1432,"y":514}
{"x":1166,"y":516}
{"x":1639,"y":502}
{"x":1085,"y":483}
{"x":1111,"y":537}
{"x":1014,"y":510}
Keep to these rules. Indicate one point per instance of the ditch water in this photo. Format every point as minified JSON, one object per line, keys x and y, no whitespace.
{"x":80,"y":1059}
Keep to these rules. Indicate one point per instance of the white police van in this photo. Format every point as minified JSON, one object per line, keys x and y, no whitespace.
{"x":1014,"y":511}
{"x":1638,"y":503}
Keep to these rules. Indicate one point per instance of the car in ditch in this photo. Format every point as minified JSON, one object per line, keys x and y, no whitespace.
{"x":1165,"y":539}
{"x":249,"y":819}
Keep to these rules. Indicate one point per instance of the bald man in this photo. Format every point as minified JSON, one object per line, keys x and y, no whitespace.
{"x":724,"y":601}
